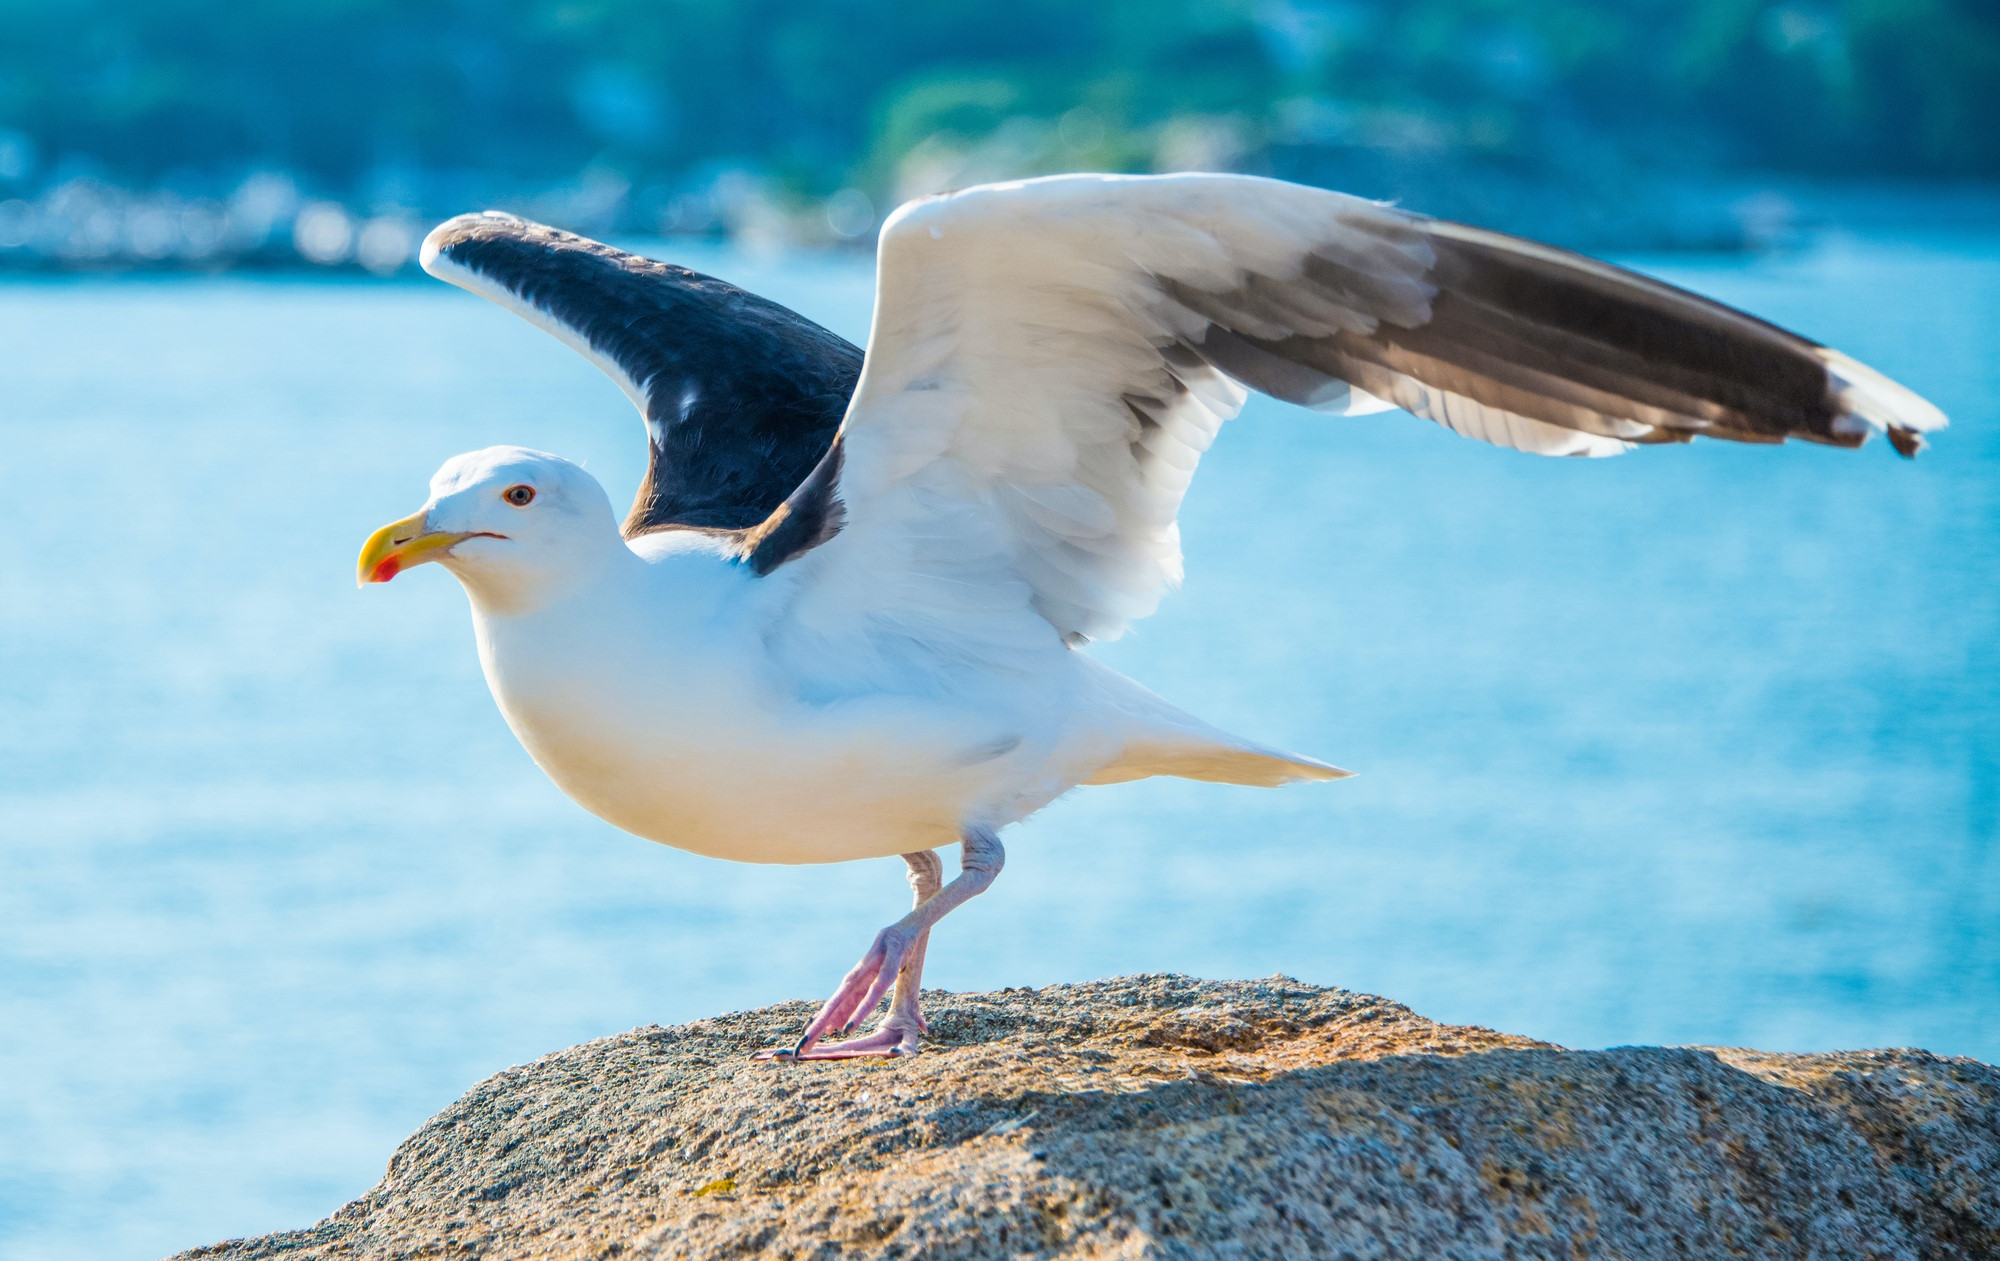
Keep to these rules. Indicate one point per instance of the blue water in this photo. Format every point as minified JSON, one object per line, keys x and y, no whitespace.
{"x":1698,"y":745}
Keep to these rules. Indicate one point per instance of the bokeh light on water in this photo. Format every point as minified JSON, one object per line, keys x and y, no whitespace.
{"x":1697,"y":745}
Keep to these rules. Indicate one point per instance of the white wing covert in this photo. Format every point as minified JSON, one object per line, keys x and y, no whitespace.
{"x":1049,"y":360}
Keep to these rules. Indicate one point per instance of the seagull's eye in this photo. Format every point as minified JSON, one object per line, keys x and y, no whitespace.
{"x":520,"y":496}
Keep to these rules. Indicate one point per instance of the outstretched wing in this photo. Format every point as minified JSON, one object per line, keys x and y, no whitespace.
{"x":1049,"y":359}
{"x":741,"y":396}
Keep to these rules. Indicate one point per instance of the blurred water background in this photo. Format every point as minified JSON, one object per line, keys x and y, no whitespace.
{"x":202,"y":135}
{"x":1698,"y":745}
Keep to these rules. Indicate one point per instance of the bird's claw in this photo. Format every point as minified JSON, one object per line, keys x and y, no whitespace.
{"x":894,"y":1039}
{"x":859,"y":993}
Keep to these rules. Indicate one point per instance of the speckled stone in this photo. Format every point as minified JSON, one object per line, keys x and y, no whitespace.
{"x":1164,"y":1116}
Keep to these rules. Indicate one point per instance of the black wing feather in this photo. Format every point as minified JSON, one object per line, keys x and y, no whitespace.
{"x":1547,"y":335}
{"x":742,"y":396}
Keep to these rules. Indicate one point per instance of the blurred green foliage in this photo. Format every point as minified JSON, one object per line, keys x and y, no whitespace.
{"x":891,"y":95}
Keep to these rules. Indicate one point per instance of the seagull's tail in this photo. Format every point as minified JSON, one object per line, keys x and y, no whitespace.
{"x":1218,"y":763}
{"x":1167,"y":740}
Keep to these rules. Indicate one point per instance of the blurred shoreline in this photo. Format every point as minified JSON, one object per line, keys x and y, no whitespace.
{"x":303,"y":139}
{"x":267,"y":224}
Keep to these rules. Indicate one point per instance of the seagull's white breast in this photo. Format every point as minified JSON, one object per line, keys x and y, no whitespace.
{"x":649,"y":698}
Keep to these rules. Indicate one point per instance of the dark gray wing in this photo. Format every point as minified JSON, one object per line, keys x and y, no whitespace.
{"x":742,"y":397}
{"x":1513,"y":336}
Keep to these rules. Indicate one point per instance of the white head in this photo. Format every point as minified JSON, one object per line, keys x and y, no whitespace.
{"x":517,"y":527}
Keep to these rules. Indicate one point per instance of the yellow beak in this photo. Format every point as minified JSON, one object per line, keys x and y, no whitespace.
{"x":399,"y":545}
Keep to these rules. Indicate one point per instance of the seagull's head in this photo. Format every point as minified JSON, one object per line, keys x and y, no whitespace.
{"x":517,"y":527}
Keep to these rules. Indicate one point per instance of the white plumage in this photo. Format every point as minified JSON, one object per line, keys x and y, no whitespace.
{"x":891,"y":661}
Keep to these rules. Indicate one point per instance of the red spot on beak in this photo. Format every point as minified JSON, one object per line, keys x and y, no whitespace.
{"x":388,"y":569}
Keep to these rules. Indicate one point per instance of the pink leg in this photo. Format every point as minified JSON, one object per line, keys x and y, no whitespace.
{"x":898,"y":1032}
{"x":897,"y":958}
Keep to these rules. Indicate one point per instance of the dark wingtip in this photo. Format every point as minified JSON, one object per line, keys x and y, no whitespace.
{"x":1906,"y":441}
{"x":460,"y":229}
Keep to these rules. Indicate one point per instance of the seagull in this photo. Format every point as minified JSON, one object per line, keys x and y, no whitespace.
{"x":848,"y":613}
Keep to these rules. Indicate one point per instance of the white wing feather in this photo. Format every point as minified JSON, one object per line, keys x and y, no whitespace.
{"x":1023,"y":417}
{"x":1049,"y":360}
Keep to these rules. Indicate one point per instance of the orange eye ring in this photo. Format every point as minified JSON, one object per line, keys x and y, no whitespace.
{"x":519,"y":496}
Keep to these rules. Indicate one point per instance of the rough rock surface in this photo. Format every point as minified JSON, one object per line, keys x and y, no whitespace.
{"x":1163,"y":1116}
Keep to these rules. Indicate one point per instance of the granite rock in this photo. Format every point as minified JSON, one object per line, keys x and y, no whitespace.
{"x":1165,"y":1116}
